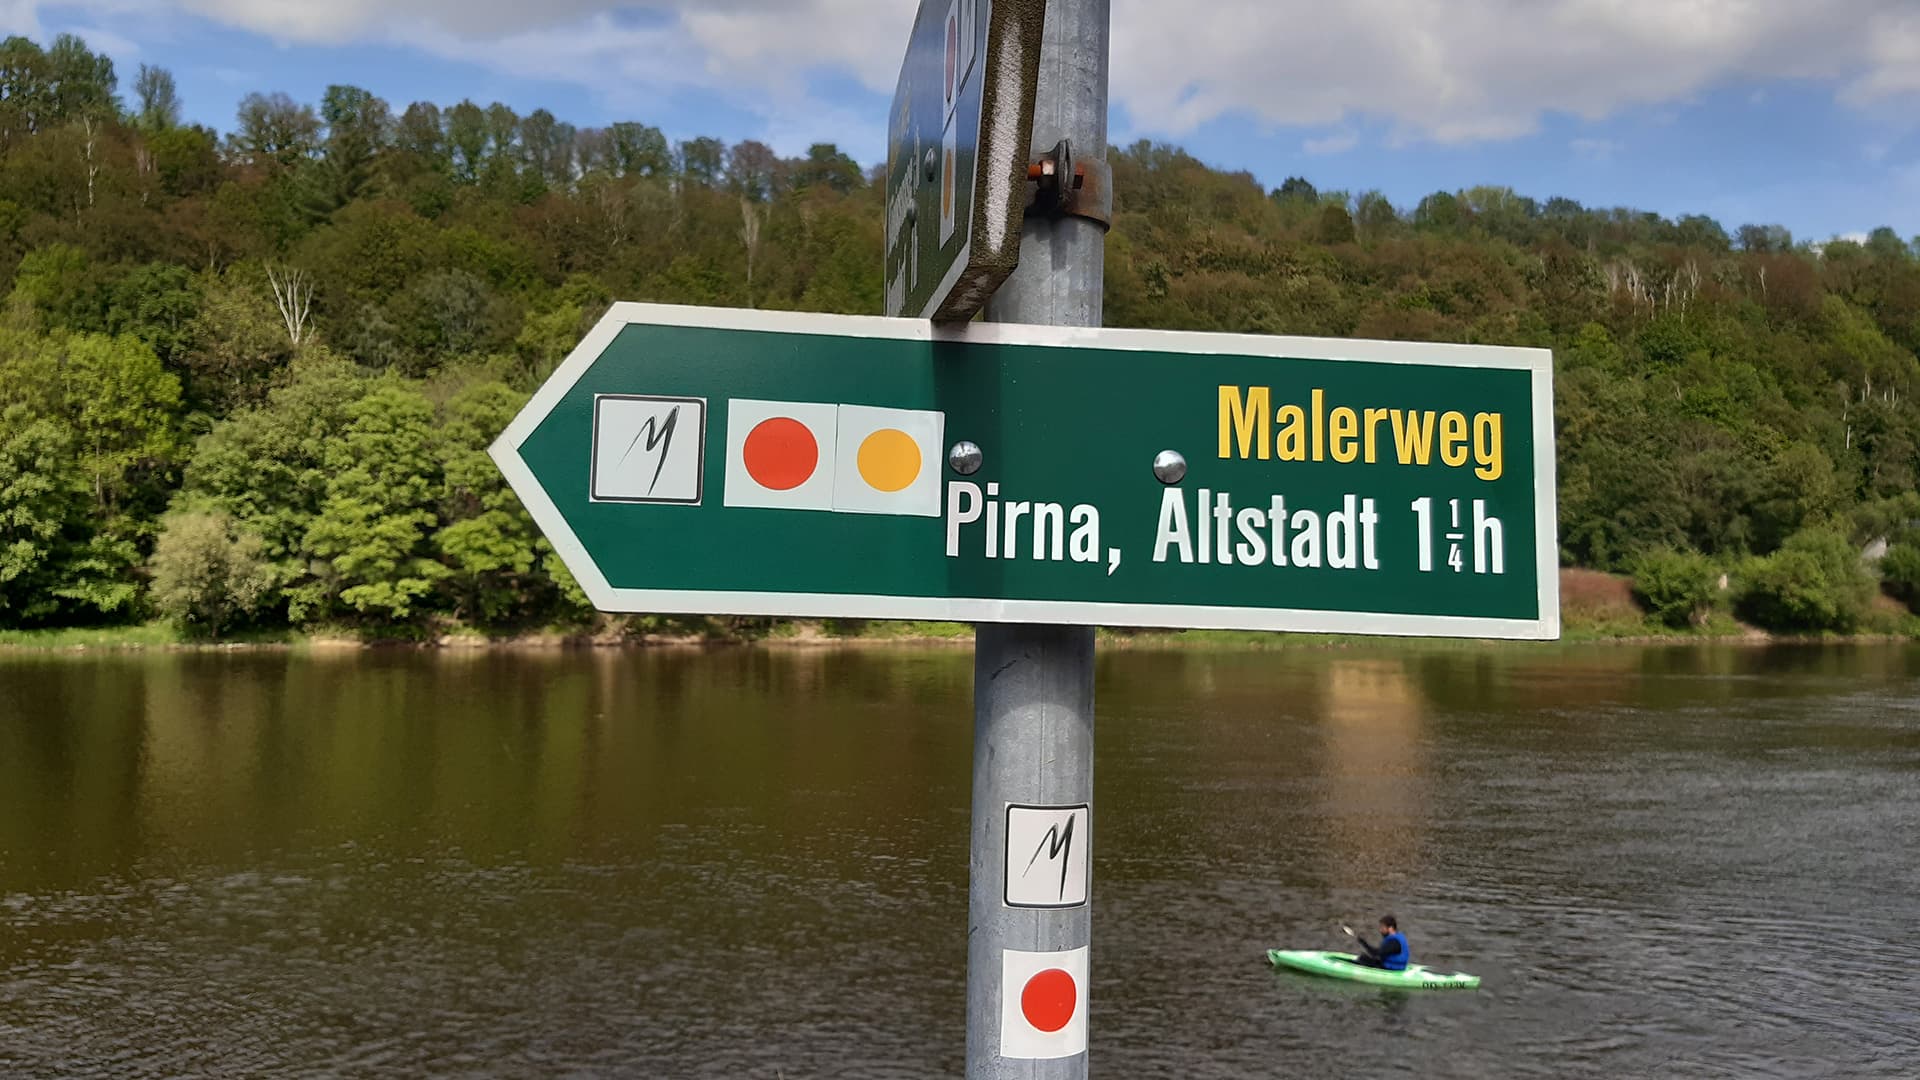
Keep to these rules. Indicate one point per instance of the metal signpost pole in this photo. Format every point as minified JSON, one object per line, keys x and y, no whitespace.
{"x":1033,"y":685}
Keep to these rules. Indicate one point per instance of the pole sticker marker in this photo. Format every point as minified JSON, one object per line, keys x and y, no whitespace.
{"x":1046,"y":856}
{"x":1043,"y":1004}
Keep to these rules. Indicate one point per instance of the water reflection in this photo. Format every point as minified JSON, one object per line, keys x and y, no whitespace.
{"x":1372,"y":772}
{"x":747,"y":863}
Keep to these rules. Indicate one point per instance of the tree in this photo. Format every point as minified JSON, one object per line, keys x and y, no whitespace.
{"x":826,"y":166}
{"x":124,"y":412}
{"x":750,"y":223}
{"x":1816,"y":582}
{"x":639,"y":150}
{"x":26,"y":91}
{"x":421,"y":132}
{"x":359,"y":127}
{"x":373,"y":528}
{"x":293,"y":296}
{"x":467,"y":139}
{"x":1764,"y":238}
{"x":268,"y":465}
{"x":40,"y":504}
{"x":209,"y":574}
{"x":1440,"y":211}
{"x":1298,"y":189}
{"x":1677,"y":587}
{"x":1884,"y":243}
{"x":236,"y":344}
{"x":1901,"y":571}
{"x":89,"y":430}
{"x":753,"y":171}
{"x":157,"y":303}
{"x":275,"y":132}
{"x":81,"y":82}
{"x":62,"y":288}
{"x":702,"y":161}
{"x":187,"y":160}
{"x":158,"y":97}
{"x":489,"y":542}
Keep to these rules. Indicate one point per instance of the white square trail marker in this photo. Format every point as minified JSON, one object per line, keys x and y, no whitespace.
{"x":1046,"y":860}
{"x":648,"y":449}
{"x":1043,"y":1004}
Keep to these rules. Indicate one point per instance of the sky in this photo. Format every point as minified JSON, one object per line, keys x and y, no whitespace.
{"x":1805,"y":114}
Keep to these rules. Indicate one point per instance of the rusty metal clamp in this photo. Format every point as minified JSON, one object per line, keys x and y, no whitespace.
{"x":1089,"y":195}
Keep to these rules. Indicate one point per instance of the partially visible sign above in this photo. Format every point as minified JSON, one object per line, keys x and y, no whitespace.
{"x":957,"y":150}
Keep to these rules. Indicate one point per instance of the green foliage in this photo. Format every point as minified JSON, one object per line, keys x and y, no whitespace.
{"x":372,"y":530}
{"x":268,"y":465}
{"x":157,"y":304}
{"x":40,"y":502}
{"x":490,"y":545}
{"x":236,"y":346}
{"x":1676,"y":587}
{"x":1900,"y":570}
{"x":209,"y":575}
{"x":1716,"y":392}
{"x":1816,"y":582}
{"x":92,"y":435}
{"x":61,"y":287}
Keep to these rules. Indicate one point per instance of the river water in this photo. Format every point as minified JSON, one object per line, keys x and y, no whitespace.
{"x":1687,"y":862}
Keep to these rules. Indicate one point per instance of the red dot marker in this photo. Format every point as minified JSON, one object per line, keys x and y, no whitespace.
{"x":780,"y":454}
{"x":1049,"y":999}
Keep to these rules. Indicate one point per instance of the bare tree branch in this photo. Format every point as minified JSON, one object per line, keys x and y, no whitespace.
{"x":750,"y":222}
{"x":293,"y":295}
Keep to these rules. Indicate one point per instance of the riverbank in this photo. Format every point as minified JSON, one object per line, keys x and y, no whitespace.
{"x":804,"y":634}
{"x":1594,"y":608}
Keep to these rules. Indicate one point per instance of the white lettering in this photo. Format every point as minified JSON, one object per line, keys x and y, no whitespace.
{"x":1084,"y":546}
{"x":957,"y":515}
{"x":1173,"y":528}
{"x":1252,"y":548}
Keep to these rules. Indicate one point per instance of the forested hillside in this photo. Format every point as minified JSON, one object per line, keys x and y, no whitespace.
{"x":247,"y":378}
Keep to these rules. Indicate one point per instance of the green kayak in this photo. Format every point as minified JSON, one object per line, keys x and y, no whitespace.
{"x":1337,"y":965}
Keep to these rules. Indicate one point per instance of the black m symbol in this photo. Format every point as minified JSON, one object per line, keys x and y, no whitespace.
{"x":1058,"y":844}
{"x":655,"y":434}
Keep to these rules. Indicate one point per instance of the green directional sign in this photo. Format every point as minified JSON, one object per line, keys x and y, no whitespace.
{"x":957,"y":154}
{"x":697,"y":460}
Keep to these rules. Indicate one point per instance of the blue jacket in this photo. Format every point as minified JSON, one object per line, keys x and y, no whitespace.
{"x":1393,"y":952}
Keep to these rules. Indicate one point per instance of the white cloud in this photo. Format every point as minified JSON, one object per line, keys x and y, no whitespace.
{"x":1479,"y":69}
{"x":1457,"y":71}
{"x":1337,"y":143}
{"x":1893,"y":67}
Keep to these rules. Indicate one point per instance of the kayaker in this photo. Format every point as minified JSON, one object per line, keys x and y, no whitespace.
{"x":1392,"y":953}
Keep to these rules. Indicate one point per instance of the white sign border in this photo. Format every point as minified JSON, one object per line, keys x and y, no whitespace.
{"x":1538,"y":363}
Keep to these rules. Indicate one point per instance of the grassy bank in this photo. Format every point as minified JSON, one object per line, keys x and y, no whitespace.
{"x":614,"y":633}
{"x":1594,"y":607}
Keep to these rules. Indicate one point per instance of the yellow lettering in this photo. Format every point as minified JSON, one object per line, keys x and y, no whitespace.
{"x":1240,"y":417}
{"x":1372,"y":420}
{"x":1489,"y":449}
{"x":1293,"y":433}
{"x":1453,"y":439}
{"x":1319,"y":425}
{"x":1346,"y":426}
{"x":1413,"y":438}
